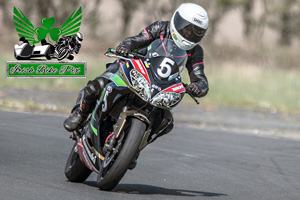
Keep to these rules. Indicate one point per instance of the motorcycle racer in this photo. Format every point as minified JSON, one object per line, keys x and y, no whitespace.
{"x":187,"y":28}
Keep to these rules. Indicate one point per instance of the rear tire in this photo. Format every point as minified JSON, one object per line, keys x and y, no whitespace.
{"x":126,"y":155}
{"x":75,"y":170}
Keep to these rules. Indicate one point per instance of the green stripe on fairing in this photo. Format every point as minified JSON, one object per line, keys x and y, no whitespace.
{"x":117,"y":80}
{"x":94,"y":129}
{"x":102,"y":95}
{"x":93,"y":114}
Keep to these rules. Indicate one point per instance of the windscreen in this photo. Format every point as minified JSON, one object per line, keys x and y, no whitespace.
{"x":166,"y":47}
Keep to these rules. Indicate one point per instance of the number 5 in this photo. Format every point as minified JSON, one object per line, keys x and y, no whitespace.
{"x":164,"y":69}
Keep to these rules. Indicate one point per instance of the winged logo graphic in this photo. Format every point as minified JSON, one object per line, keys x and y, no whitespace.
{"x":34,"y":35}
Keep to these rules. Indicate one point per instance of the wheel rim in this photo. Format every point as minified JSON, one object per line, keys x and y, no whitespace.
{"x":109,"y":159}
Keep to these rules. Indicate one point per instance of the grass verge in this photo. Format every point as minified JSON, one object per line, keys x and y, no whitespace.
{"x":231,"y":84}
{"x":253,"y":87}
{"x":30,"y":106}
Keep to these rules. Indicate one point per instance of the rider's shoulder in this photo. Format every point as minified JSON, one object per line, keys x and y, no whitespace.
{"x":196,"y":50}
{"x":158,"y":28}
{"x":198,"y":47}
{"x":160,"y":24}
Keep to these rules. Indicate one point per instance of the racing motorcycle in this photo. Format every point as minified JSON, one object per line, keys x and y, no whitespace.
{"x":64,"y":49}
{"x":133,"y":111}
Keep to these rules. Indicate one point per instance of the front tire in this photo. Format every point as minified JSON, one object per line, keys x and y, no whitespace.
{"x":75,"y":170}
{"x":125,"y":157}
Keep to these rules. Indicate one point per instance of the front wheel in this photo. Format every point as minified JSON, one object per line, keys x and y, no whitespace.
{"x":110,"y":174}
{"x":75,"y":170}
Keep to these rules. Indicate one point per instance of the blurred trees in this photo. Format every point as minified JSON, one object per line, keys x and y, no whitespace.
{"x":283,"y":17}
{"x":5,"y":13}
{"x":217,"y":9}
{"x":248,"y":17}
{"x":128,"y":7}
{"x":94,"y":18}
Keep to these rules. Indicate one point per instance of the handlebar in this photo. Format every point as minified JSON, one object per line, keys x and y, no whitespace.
{"x":130,"y":55}
{"x":189,"y":93}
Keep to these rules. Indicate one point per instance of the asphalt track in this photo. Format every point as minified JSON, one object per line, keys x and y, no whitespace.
{"x":186,"y":164}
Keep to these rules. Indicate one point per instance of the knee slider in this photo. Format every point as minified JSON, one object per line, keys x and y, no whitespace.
{"x":90,"y":93}
{"x":92,"y":85}
{"x":95,"y":87}
{"x":102,"y":81}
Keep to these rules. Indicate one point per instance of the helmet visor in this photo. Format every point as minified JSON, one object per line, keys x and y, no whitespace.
{"x":188,"y":30}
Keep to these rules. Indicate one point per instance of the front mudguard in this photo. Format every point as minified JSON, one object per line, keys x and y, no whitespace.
{"x":123,"y":117}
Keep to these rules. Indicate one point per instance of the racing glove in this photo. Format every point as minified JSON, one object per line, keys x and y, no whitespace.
{"x":197,"y":89}
{"x":122,"y":51}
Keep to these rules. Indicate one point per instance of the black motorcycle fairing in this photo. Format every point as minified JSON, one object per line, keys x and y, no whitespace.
{"x":107,"y":110}
{"x":151,"y":68}
{"x":161,"y":118}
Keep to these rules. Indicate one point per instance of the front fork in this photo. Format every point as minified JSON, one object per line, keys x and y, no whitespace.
{"x":118,"y":127}
{"x":166,"y":122}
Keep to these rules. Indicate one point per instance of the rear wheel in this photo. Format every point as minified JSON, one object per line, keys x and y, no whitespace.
{"x":75,"y":170}
{"x":113,"y":168}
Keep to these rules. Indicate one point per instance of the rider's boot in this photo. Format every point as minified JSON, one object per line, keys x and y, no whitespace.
{"x":86,"y":106}
{"x":90,"y":95}
{"x":88,"y":98}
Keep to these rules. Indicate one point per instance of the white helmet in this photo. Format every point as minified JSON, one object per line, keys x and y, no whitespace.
{"x":188,"y":25}
{"x":79,"y":37}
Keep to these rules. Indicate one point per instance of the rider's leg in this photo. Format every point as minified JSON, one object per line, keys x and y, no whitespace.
{"x":88,"y":98}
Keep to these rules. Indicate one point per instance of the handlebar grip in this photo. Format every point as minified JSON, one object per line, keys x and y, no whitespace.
{"x":131,"y":55}
{"x":136,"y":55}
{"x":111,"y":50}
